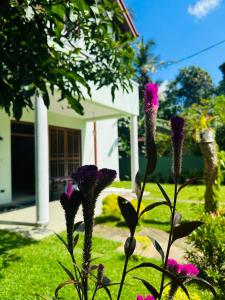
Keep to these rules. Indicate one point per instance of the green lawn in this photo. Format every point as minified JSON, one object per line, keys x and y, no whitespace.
{"x":191,"y":192}
{"x":159,"y":217}
{"x":28,"y":267}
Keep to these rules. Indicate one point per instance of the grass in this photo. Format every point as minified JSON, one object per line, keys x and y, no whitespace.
{"x":29,"y":267}
{"x":159,"y":217}
{"x":191,"y":192}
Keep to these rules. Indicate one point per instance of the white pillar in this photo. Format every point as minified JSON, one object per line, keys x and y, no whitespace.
{"x":134,"y":149}
{"x":41,"y":162}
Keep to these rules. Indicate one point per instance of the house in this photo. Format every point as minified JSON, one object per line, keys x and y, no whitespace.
{"x":46,"y":145}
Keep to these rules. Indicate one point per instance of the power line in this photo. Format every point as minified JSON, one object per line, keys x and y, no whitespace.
{"x":173,"y":62}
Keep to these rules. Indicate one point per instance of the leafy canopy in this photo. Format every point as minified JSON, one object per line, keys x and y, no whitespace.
{"x":61,"y":44}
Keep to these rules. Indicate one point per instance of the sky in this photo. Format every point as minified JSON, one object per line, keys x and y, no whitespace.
{"x":181,"y":28}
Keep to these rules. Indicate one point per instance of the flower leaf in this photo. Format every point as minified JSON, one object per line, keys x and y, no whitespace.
{"x":67,"y":271}
{"x":149,"y":287}
{"x":185,"y":229}
{"x":60,"y":286}
{"x":151,"y":206}
{"x":129,"y":213}
{"x":129,"y":249}
{"x":138,"y":185}
{"x":190,"y":181}
{"x":158,"y":247}
{"x":62,"y":240}
{"x":208,"y":285}
{"x":166,"y":197}
{"x":177,"y":219}
{"x":77,"y":225}
{"x":75,"y":240}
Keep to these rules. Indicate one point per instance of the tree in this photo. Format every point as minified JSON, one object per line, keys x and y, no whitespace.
{"x":190,"y":86}
{"x":145,"y":64}
{"x":203,"y":120}
{"x":221,"y":87}
{"x":47,"y":45}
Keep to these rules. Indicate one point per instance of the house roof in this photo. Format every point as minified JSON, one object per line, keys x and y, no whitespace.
{"x":128,"y":19}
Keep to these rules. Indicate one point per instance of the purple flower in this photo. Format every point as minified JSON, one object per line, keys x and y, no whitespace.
{"x":148,"y":297}
{"x":104,"y":178}
{"x":151,"y":109}
{"x":173,"y":265}
{"x":151,"y":97}
{"x":85,"y":177}
{"x":177,"y":126}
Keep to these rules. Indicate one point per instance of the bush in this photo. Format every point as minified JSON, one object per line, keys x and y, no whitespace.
{"x":208,"y":251}
{"x":111,"y":209}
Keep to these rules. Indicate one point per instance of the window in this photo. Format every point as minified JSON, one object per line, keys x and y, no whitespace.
{"x":65,"y":151}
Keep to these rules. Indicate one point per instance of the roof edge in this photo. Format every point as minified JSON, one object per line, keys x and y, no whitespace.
{"x":128,"y":18}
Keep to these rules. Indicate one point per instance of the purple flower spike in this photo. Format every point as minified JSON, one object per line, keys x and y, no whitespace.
{"x":85,"y":177}
{"x":151,"y":97}
{"x":173,"y":265}
{"x":177,"y":126}
{"x":139,"y":297}
{"x":104,"y":178}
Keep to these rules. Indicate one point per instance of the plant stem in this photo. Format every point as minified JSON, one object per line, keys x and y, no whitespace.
{"x":131,"y":238}
{"x":170,"y":236}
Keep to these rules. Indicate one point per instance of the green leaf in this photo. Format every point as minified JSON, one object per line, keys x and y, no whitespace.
{"x":164,"y":194}
{"x":129,"y":213}
{"x":149,"y":287}
{"x":185,"y":229}
{"x":158,"y":248}
{"x":129,"y":246}
{"x":151,"y":206}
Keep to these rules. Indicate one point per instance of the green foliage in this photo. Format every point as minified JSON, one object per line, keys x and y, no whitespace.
{"x":208,"y":251}
{"x":111,"y":209}
{"x":190,"y":86}
{"x":53,"y":45}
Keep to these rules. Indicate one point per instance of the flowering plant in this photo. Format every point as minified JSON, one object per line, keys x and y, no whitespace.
{"x":91,"y":182}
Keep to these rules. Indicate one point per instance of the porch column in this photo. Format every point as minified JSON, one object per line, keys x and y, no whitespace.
{"x":41,"y":162}
{"x":134,"y":149}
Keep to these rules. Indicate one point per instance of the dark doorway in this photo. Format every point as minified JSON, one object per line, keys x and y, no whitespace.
{"x":22,"y":153}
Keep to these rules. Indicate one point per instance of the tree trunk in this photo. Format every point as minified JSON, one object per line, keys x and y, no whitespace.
{"x":211,"y":175}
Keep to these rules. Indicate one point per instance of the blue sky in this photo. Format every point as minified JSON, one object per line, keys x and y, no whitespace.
{"x":181,"y":28}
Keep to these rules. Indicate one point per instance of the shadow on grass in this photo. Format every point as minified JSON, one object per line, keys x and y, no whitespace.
{"x":9,"y":241}
{"x":105,"y":219}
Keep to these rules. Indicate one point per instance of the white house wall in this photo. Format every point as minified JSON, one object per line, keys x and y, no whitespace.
{"x":107,"y":144}
{"x":5,"y":159}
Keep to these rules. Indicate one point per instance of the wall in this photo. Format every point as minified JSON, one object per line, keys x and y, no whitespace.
{"x":192,"y":166}
{"x":107,"y":144}
{"x":5,"y":159}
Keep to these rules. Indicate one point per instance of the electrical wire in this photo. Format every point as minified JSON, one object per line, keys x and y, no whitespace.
{"x":173,"y":62}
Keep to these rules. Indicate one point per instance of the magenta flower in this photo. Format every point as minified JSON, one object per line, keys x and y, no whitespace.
{"x":188,"y":269}
{"x":173,"y":265}
{"x":177,"y":126}
{"x":151,"y":96}
{"x":151,"y":109}
{"x":69,"y":189}
{"x":148,"y":297}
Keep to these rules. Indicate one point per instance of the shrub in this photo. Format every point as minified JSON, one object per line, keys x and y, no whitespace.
{"x":208,"y":251}
{"x":180,"y":295}
{"x":111,"y":209}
